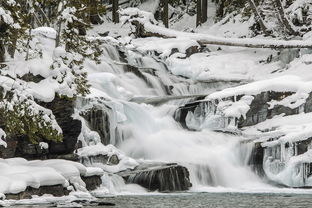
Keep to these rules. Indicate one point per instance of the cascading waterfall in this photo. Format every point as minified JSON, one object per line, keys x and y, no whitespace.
{"x":213,"y":159}
{"x":151,"y":133}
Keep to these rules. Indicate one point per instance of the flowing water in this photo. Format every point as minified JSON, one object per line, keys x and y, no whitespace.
{"x":213,"y":200}
{"x":200,"y":200}
{"x":147,"y":132}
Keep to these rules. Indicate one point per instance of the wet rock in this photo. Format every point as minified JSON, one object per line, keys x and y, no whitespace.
{"x":259,"y":109}
{"x":8,"y":152}
{"x":32,"y":78}
{"x":57,"y":190}
{"x":28,"y":150}
{"x":92,"y":182}
{"x":99,"y":121}
{"x":101,"y":159}
{"x":63,"y":109}
{"x":106,"y":204}
{"x":192,"y":50}
{"x":159,"y":176}
{"x":256,"y":159}
{"x":113,"y":160}
{"x":71,"y":157}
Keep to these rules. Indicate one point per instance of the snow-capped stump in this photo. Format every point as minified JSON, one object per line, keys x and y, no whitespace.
{"x":159,"y":176}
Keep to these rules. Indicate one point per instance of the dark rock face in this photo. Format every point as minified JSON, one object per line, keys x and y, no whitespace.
{"x":260,"y":111}
{"x":161,"y":177}
{"x":57,"y":190}
{"x":181,"y":113}
{"x":98,"y":120}
{"x":28,"y":150}
{"x":63,"y":109}
{"x":8,"y":152}
{"x":256,"y":159}
{"x":92,"y":182}
{"x":259,"y":108}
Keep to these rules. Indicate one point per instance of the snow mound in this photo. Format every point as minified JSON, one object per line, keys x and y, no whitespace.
{"x":17,"y":174}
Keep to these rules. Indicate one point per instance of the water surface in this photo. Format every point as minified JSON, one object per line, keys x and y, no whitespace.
{"x":214,"y":200}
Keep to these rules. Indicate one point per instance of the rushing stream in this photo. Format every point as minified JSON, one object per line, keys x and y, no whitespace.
{"x":147,"y":132}
{"x":128,"y":80}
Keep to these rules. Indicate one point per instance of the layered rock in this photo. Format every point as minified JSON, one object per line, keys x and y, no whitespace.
{"x":56,"y":190}
{"x":92,"y":182}
{"x":98,"y":118}
{"x":63,"y":109}
{"x":260,"y":110}
{"x":161,"y":177}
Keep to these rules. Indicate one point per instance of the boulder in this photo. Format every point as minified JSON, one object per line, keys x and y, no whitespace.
{"x":92,"y":182}
{"x":159,"y":176}
{"x":56,"y":190}
{"x":63,"y":109}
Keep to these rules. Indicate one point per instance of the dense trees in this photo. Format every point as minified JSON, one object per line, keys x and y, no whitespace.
{"x":20,"y":113}
{"x":71,"y":19}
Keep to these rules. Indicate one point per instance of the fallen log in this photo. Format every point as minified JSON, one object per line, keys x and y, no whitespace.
{"x":144,"y":28}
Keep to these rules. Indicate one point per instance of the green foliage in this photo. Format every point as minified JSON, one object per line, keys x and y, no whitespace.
{"x":22,"y":117}
{"x":11,"y":26}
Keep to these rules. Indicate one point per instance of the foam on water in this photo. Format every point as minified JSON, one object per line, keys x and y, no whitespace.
{"x":216,"y":161}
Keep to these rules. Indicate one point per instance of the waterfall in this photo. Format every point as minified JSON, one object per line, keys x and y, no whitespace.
{"x":213,"y":159}
{"x":150,"y":133}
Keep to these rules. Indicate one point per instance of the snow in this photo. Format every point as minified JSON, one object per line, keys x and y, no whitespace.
{"x":110,"y":81}
{"x":147,"y":20}
{"x":44,"y":145}
{"x":163,"y":46}
{"x":47,"y":32}
{"x":2,"y":136}
{"x":108,"y":150}
{"x":17,"y":174}
{"x":150,"y":6}
{"x":287,"y":83}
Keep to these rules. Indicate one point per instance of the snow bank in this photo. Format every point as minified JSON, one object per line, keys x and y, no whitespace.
{"x":163,"y":46}
{"x":109,"y":150}
{"x":17,"y":174}
{"x":148,"y":21}
{"x":280,"y":84}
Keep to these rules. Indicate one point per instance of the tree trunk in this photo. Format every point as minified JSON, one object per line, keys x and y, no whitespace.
{"x":220,"y":8}
{"x":205,"y":11}
{"x":12,"y":47}
{"x":285,"y":22}
{"x":115,"y":11}
{"x":166,"y":13}
{"x":199,"y":13}
{"x":209,"y":40}
{"x":58,"y":34}
{"x":94,"y":13}
{"x":2,"y":52}
{"x":258,"y":17}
